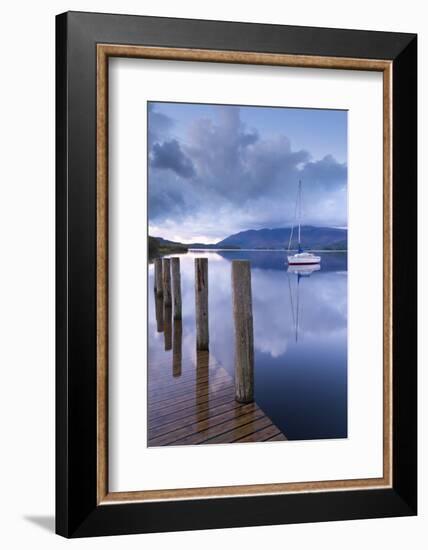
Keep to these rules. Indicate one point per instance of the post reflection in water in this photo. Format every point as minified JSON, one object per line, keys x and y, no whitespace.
{"x":300,"y":384}
{"x":202,"y":382}
{"x":159,"y":311}
{"x":167,"y":325}
{"x":177,"y":348}
{"x":202,"y":370}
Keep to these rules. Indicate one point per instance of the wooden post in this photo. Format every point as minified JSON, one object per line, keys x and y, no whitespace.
{"x":176,"y":286}
{"x":177,"y":348}
{"x":166,"y":281}
{"x":244,"y":337}
{"x":201,"y":302}
{"x":158,"y":277}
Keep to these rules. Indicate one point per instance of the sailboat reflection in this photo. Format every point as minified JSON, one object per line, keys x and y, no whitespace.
{"x":303,"y":270}
{"x":300,"y":271}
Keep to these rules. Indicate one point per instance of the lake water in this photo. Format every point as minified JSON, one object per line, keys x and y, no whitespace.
{"x":300,"y":336}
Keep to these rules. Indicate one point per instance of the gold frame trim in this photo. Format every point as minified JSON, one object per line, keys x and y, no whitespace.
{"x":104,"y":51}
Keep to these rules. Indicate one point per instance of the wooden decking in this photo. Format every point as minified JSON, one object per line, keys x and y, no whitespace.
{"x":192,"y":404}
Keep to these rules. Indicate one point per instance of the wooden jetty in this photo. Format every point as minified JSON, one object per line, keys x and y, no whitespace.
{"x":196,"y":404}
{"x":193,"y":402}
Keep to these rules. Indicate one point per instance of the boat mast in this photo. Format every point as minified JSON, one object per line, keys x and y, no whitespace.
{"x":300,"y":211}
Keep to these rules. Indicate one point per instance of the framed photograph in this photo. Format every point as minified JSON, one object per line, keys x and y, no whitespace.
{"x":236,"y":274}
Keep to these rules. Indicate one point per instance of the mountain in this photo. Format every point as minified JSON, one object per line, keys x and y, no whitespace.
{"x":215,"y":246}
{"x":314,"y":238}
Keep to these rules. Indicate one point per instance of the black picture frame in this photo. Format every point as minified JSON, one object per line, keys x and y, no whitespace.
{"x":77,"y":511}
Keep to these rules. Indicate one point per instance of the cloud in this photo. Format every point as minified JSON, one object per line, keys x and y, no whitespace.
{"x":169,"y":156}
{"x":159,"y":125}
{"x":326,"y":171}
{"x":220,"y":177}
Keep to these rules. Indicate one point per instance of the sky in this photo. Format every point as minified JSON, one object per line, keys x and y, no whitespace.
{"x":216,"y":170}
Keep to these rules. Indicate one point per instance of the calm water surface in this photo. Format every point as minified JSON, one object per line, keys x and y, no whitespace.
{"x":300,"y":336}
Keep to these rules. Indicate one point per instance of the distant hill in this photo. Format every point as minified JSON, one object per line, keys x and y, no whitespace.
{"x":216,"y":246}
{"x":159,"y":247}
{"x":164,"y":243}
{"x":315,"y":238}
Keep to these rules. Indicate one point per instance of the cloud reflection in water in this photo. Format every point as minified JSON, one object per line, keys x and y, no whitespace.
{"x":301,"y":385}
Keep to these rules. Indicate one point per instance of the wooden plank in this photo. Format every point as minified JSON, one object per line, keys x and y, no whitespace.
{"x":203,"y":381}
{"x":187,"y":377}
{"x":190,"y":360}
{"x":219,"y":430}
{"x":160,"y":370}
{"x":279,"y":437}
{"x":200,"y":378}
{"x":166,"y":381}
{"x":191,"y":419}
{"x":234,"y":434}
{"x":203,"y":425}
{"x":190,"y":399}
{"x":173,"y":415}
{"x":191,"y":405}
{"x":187,"y":392}
{"x":156,"y":363}
{"x":261,"y":435}
{"x":200,"y":407}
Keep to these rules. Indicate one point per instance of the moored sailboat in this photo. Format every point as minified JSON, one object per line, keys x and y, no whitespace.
{"x":301,"y":258}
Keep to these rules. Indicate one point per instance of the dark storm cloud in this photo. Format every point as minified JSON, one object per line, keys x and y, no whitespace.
{"x":224,"y":177}
{"x":327,"y":171}
{"x":249,"y":138}
{"x":168,"y":200}
{"x":169,"y":156}
{"x":159,"y":125}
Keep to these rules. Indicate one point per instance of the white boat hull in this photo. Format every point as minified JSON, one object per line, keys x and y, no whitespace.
{"x":304,"y":259}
